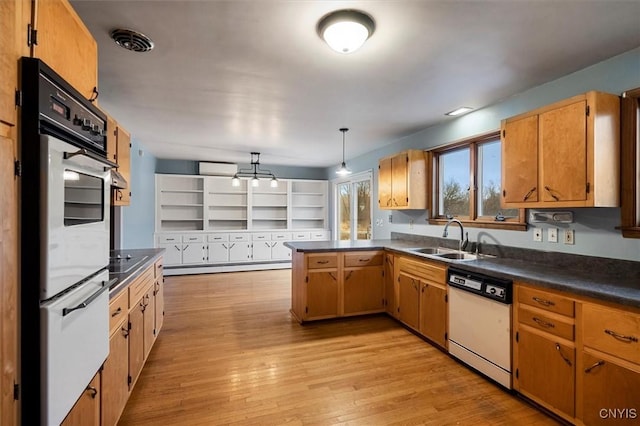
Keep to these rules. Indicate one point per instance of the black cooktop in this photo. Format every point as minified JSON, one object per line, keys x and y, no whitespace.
{"x":124,"y":264}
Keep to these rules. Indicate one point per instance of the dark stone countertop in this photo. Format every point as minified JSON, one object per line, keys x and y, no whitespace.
{"x":124,"y":278}
{"x":616,"y":281}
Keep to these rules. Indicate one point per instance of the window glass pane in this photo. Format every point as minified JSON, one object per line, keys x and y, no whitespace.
{"x":363,"y":209}
{"x":454,"y":183}
{"x":344,"y":211}
{"x":489,"y":181}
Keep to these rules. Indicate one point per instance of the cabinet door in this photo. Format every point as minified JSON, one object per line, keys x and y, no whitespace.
{"x":122,"y":197}
{"x":279,"y":251}
{"x":610,"y":392}
{"x":520,"y":161}
{"x":115,"y":376}
{"x":363,"y":290}
{"x":563,"y":150}
{"x":384,"y":183}
{"x":409,"y":300}
{"x":433,"y":313}
{"x":8,"y":60}
{"x":193,"y":253}
{"x":112,"y":141}
{"x":172,"y":254}
{"x":86,"y":411}
{"x":546,"y":370}
{"x":218,"y":252}
{"x":136,"y":341}
{"x":66,"y":45}
{"x":322,"y":295}
{"x":159,"y":303}
{"x":239,"y":252}
{"x":149,"y":321}
{"x":399,"y":176}
{"x":390,"y":286}
{"x":261,"y":250}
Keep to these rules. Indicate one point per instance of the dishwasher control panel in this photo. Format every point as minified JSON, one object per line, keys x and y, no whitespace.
{"x":490,"y":287}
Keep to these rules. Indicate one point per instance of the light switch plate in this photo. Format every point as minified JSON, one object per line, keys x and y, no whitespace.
{"x":552,"y":235}
{"x":537,"y":234}
{"x":569,"y":236}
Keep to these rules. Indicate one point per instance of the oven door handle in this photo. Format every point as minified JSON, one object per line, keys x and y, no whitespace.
{"x":96,"y":157}
{"x":87,"y":301}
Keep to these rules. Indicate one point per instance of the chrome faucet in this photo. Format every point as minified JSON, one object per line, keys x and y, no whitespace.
{"x":464,"y":238}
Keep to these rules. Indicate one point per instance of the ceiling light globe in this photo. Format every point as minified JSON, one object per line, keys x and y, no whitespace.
{"x":343,"y":170}
{"x":255,"y":182}
{"x":235,"y":181}
{"x":274,"y":182}
{"x":345,"y":31}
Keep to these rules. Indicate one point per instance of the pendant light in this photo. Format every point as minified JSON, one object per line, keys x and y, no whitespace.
{"x":255,"y":173}
{"x":345,"y":31}
{"x":343,"y":170}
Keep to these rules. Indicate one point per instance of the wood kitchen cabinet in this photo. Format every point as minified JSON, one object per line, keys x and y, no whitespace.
{"x":141,"y":322}
{"x":544,"y":351}
{"x":158,"y":296}
{"x":402,"y":181}
{"x":433,"y":312}
{"x":409,"y":300}
{"x":363,"y":283}
{"x":609,"y":377}
{"x":390,"y":287}
{"x":563,"y":155}
{"x":59,"y":38}
{"x":122,"y":197}
{"x":86,"y":411}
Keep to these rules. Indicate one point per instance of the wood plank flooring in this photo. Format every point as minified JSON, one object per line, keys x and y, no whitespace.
{"x":230,"y":354}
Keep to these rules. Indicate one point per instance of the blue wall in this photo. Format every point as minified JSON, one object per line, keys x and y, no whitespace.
{"x":187,"y":167}
{"x":595,"y":232}
{"x":138,"y":219}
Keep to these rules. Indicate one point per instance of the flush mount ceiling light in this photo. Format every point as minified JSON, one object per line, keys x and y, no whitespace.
{"x":343,"y":170}
{"x":459,"y":111}
{"x":131,"y":40}
{"x":255,"y":173}
{"x":345,"y":31}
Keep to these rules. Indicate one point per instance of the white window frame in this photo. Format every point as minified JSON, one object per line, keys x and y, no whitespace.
{"x":352,"y":179}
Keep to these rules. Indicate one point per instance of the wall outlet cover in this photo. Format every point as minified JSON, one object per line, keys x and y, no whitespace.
{"x":537,"y":234}
{"x":552,"y":235}
{"x":569,"y":236}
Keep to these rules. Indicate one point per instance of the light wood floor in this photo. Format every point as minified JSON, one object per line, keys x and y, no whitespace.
{"x":230,"y":353}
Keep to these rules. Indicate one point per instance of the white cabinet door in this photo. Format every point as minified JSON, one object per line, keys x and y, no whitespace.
{"x":172,"y":255}
{"x":218,"y":252}
{"x":239,"y":252}
{"x":193,"y":253}
{"x":279,"y":251}
{"x":262,"y":250}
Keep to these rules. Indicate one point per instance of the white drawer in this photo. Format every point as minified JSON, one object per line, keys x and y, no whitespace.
{"x":217,"y":238}
{"x":262,"y":236}
{"x":239,"y":237}
{"x":320,"y":235}
{"x":193,"y":238}
{"x":280,"y":236}
{"x":169,"y":238}
{"x":301,"y":235}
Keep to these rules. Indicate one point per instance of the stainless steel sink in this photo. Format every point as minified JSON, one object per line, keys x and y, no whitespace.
{"x":425,"y":250}
{"x":458,"y":256}
{"x":445,"y":253}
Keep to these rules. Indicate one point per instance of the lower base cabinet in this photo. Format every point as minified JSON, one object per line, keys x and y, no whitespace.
{"x":322,"y":294}
{"x":409,"y":300}
{"x":115,"y":375}
{"x":86,"y":411}
{"x":433,"y":313}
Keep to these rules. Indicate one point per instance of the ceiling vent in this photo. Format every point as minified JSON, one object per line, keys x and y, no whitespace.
{"x":132,"y":40}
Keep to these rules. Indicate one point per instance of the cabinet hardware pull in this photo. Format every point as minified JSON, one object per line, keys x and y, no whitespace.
{"x":322,"y":262}
{"x":364,"y":260}
{"x":177,"y":248}
{"x":531,"y":191}
{"x":597,"y":364}
{"x":543,"y":323}
{"x":116,"y":312}
{"x":551,"y":193}
{"x":185,"y":247}
{"x":94,"y":391}
{"x":348,"y":275}
{"x":333,"y":276}
{"x":543,"y":301}
{"x":621,"y":337}
{"x":124,"y":332}
{"x":388,"y":202}
{"x":562,"y":355}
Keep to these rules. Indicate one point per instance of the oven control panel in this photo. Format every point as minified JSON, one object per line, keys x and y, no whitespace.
{"x":490,"y":287}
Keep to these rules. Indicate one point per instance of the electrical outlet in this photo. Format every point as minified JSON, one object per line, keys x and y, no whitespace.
{"x":569,"y":236}
{"x":537,"y":234}
{"x":410,"y":223}
{"x":552,"y":235}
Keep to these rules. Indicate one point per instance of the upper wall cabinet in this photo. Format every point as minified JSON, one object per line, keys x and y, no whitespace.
{"x":119,"y":151}
{"x":54,"y":33}
{"x":563,"y":155}
{"x":402,"y":181}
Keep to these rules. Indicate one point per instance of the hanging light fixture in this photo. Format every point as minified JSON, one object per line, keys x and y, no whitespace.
{"x":255,"y":173}
{"x":345,"y":31}
{"x":343,"y":170}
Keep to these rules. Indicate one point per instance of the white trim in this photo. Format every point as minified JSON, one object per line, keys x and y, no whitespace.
{"x":357,"y":177}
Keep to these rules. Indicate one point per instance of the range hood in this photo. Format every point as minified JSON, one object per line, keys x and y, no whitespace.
{"x":117,"y":180}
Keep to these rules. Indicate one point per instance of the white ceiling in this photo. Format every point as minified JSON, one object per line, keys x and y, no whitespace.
{"x":230,"y":77}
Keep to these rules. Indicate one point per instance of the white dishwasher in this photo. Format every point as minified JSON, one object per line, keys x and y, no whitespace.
{"x":480,"y":323}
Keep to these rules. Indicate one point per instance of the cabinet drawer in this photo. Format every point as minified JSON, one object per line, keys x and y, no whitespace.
{"x":424,"y":269}
{"x":281,"y":236}
{"x":320,"y":235}
{"x":547,"y":301}
{"x":169,"y":239}
{"x":239,"y":237}
{"x":262,"y":236}
{"x":193,"y":238}
{"x":612,"y":331}
{"x":363,"y":259}
{"x":322,"y":261}
{"x":301,"y":235}
{"x":118,"y":308}
{"x":217,"y":238}
{"x":545,"y":323}
{"x":140,"y":286}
